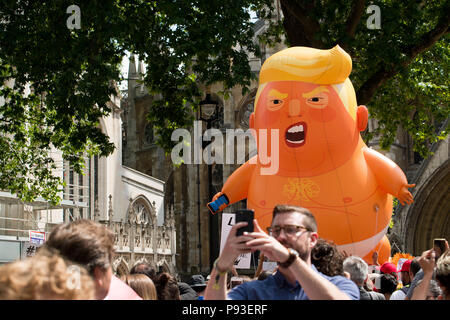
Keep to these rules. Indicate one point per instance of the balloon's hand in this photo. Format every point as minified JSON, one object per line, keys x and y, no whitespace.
{"x":220,"y":202}
{"x":404,"y":196}
{"x":217,"y":195}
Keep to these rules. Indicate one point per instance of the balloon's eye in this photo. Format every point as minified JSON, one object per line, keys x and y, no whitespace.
{"x":318,"y":102}
{"x":275,"y":104}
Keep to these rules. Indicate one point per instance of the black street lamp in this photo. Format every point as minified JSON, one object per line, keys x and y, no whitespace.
{"x":208,"y":113}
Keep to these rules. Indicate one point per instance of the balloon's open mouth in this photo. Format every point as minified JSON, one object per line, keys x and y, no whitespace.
{"x":296,"y":134}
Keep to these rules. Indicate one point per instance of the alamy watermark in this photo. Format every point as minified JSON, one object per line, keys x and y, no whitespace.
{"x":189,"y":150}
{"x":74,"y":280}
{"x":374,"y":20}
{"x":74,"y":20}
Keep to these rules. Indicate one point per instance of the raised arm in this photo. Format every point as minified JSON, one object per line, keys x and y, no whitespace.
{"x":236,"y":186}
{"x":389,"y":176}
{"x":316,"y":287}
{"x":234,"y":246}
{"x":427,"y":263}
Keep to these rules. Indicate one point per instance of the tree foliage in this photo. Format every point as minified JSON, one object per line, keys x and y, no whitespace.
{"x":400,"y":71}
{"x":70,"y":73}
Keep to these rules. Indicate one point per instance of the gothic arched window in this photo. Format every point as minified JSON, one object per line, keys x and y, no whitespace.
{"x":140,"y":213}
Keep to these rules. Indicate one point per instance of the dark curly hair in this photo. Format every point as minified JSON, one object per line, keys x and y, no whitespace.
{"x":167,"y":287}
{"x":388,"y":283}
{"x":327,"y":259}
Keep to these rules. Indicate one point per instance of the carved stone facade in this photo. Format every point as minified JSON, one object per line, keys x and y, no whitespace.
{"x":138,"y":238}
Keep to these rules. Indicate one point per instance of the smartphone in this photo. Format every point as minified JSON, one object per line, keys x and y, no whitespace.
{"x":439,"y":243}
{"x":244,"y":215}
{"x":219,"y":204}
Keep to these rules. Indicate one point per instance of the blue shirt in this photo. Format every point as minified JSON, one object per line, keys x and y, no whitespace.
{"x":276,"y":287}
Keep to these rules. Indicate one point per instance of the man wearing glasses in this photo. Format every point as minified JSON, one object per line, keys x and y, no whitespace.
{"x":293,"y":234}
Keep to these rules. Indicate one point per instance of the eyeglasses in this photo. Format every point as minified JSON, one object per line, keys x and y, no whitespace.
{"x":290,"y":230}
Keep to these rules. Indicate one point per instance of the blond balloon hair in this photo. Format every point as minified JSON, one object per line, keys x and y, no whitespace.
{"x":323,"y":67}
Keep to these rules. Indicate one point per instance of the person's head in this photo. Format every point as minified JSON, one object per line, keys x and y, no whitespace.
{"x":414,"y":268}
{"x":357,"y":268}
{"x":404,"y":272}
{"x":388,"y":284}
{"x":197,"y":282}
{"x":443,"y":273}
{"x":434,"y":291}
{"x":327,"y":259}
{"x":186,"y":292}
{"x":167,"y":287}
{"x":87,"y":243}
{"x":389,"y":268}
{"x":295,"y":227}
{"x":143,"y":268}
{"x":45,"y":276}
{"x":142,"y":284}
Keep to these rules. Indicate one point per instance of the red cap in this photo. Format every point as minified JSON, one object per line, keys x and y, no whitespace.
{"x":406,"y":265}
{"x":388,"y":267}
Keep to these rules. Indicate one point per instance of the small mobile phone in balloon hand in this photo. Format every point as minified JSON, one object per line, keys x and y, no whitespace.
{"x":244,"y":215}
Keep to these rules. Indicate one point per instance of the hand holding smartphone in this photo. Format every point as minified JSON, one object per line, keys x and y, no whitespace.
{"x":244,"y":215}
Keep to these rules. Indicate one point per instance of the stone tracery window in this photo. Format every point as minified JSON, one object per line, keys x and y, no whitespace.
{"x":140,"y":213}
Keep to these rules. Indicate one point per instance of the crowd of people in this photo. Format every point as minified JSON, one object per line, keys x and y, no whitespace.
{"x":76,"y":263}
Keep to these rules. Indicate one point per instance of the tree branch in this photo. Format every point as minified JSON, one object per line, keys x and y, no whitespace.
{"x":367,"y":90}
{"x":309,"y":26}
{"x":354,"y":17}
{"x":429,"y":38}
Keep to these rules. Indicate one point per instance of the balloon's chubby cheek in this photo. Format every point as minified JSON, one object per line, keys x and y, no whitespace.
{"x":326,"y":114}
{"x":267,"y":119}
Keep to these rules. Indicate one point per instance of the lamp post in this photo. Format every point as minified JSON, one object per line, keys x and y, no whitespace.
{"x":208,"y":113}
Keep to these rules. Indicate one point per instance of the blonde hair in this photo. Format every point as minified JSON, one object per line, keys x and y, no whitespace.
{"x":46,"y":276}
{"x":323,"y":67}
{"x":142,"y":284}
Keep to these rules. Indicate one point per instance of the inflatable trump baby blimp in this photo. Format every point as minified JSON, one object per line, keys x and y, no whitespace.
{"x":306,"y":97}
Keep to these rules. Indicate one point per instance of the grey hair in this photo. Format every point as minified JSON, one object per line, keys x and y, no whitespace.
{"x":434,"y":289}
{"x":357,"y":268}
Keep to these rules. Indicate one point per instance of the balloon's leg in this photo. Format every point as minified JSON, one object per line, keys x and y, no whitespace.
{"x":383,"y":248}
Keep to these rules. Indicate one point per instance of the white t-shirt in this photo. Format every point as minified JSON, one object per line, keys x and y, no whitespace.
{"x":398,"y":295}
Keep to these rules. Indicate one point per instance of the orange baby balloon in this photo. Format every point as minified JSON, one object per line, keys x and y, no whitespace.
{"x":323,"y":164}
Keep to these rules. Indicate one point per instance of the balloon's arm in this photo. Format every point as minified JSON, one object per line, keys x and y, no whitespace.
{"x":234,"y":189}
{"x":389,"y":175}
